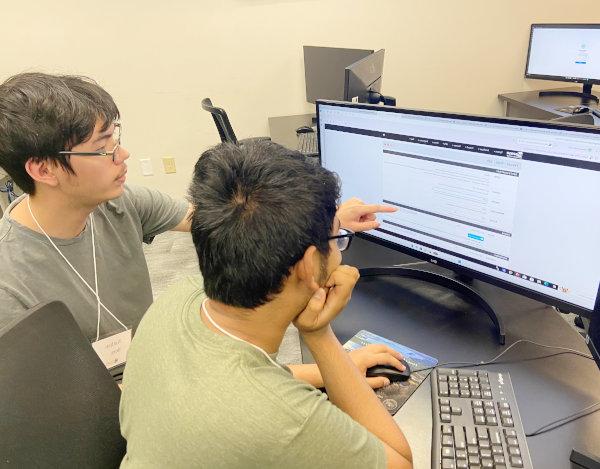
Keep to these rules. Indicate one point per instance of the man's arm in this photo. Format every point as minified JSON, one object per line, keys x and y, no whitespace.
{"x":363,"y":358}
{"x":185,"y":224}
{"x":345,"y":385}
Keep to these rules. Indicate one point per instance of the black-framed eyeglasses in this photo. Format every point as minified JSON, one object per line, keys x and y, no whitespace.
{"x":115,"y":137}
{"x":344,"y":239}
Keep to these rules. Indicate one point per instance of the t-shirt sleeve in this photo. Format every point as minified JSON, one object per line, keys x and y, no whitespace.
{"x":12,"y":309}
{"x":331,"y":438}
{"x":158,"y":212}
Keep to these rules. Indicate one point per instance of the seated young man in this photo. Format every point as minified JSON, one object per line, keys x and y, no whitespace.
{"x":202,"y":387}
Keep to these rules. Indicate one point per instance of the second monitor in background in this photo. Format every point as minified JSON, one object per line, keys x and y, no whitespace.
{"x":324,"y":70}
{"x":363,"y":79}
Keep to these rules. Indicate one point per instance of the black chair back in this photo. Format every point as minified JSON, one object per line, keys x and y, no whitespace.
{"x":59,"y":405}
{"x":221,"y":121}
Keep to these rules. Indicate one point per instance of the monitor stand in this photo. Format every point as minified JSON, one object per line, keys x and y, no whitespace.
{"x":585,"y":95}
{"x":444,"y":281}
{"x":376,"y":98}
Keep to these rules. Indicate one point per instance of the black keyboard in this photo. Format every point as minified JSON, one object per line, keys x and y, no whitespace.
{"x":307,"y":144}
{"x":476,"y":422}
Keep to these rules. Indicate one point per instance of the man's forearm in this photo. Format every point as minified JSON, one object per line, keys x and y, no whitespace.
{"x":309,"y":373}
{"x":348,"y":390}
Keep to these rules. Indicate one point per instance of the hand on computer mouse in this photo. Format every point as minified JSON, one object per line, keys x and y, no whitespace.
{"x":390,"y":372}
{"x":373,"y":355}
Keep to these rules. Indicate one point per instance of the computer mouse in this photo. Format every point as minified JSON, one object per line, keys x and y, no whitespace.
{"x":304,"y":129}
{"x":389,"y":372}
{"x":580,"y":109}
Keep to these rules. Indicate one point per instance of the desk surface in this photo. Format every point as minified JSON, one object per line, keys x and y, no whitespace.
{"x":438,"y":322}
{"x":282,"y":129}
{"x":529,"y":104}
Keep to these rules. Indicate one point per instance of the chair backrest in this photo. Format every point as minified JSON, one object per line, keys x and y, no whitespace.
{"x":59,"y":405}
{"x":221,"y":121}
{"x":576,"y":119}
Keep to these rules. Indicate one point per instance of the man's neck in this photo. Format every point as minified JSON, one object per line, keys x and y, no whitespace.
{"x":263,"y":326}
{"x":59,"y":217}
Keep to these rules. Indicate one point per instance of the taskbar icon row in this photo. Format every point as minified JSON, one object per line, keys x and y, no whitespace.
{"x":529,"y":278}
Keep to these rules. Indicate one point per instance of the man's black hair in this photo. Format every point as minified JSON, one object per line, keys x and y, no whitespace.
{"x":257,"y":208}
{"x":41,"y":115}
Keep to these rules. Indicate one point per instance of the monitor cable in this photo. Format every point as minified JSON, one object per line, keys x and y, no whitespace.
{"x":590,"y":409}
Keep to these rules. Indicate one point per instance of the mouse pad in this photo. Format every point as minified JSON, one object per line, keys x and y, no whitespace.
{"x":396,"y":394}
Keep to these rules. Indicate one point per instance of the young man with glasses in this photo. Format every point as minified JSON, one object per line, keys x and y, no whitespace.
{"x":76,"y":236}
{"x":268,"y":242}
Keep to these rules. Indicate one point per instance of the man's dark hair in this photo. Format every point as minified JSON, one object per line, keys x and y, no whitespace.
{"x":41,"y":115}
{"x":257,"y":208}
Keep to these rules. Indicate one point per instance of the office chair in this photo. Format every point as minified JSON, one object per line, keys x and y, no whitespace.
{"x":585,"y":118}
{"x":59,"y":405}
{"x":223,"y":125}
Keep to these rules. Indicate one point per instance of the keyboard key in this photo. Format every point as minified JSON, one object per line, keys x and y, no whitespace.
{"x":461,"y":454}
{"x":495,"y":437}
{"x":512,"y":441}
{"x":446,"y":418}
{"x":471,"y":435}
{"x":447,"y":440}
{"x":497,"y":450}
{"x":444,"y":401}
{"x":454,"y":393}
{"x":456,"y":411}
{"x":454,"y":386}
{"x":503,"y":406}
{"x":478,"y":411}
{"x":485,"y":453}
{"x":484,"y":444}
{"x":462,"y":464}
{"x":459,"y":438}
{"x":499,"y":459}
{"x":467,"y":373}
{"x":443,"y":389}
{"x":445,"y":409}
{"x":472,"y":450}
{"x":516,"y":461}
{"x":508,"y":423}
{"x":479,"y":420}
{"x":447,"y":453}
{"x":476,"y":394}
{"x":487,"y":463}
{"x":465,"y":393}
{"x":491,"y":421}
{"x":453,"y":379}
{"x":477,"y":403}
{"x":482,"y":433}
{"x":514,"y":451}
{"x":473,"y":461}
{"x":448,"y":464}
{"x":506,"y":414}
{"x":486,"y":394}
{"x":508,"y":432}
{"x":446,"y":430}
{"x":489,"y":411}
{"x":446,"y":371}
{"x":488,"y":405}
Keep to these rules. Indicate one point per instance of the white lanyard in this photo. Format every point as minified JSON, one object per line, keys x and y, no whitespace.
{"x":235,"y":337}
{"x":94,"y":291}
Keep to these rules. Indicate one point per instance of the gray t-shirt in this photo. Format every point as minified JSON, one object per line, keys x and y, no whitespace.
{"x":33,"y":272}
{"x":194,"y":398}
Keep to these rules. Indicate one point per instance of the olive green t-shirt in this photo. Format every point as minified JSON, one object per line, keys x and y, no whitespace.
{"x":194,"y":398}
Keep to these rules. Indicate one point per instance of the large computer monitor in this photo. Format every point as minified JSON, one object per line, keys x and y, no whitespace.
{"x":512,"y":202}
{"x":324,"y":70}
{"x":565,"y":52}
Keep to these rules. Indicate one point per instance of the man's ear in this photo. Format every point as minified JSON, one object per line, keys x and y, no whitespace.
{"x":42,"y":171}
{"x":308,"y":268}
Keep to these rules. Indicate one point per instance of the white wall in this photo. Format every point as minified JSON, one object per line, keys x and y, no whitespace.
{"x":159,"y":59}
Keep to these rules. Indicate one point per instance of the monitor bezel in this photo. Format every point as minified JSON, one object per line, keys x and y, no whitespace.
{"x":559,"y":77}
{"x":459,"y":269}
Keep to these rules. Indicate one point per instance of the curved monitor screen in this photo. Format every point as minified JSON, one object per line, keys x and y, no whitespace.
{"x":514,"y":202}
{"x":568,"y":52}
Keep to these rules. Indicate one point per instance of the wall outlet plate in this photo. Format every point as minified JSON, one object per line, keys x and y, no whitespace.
{"x":169,"y":165}
{"x":146,"y":165}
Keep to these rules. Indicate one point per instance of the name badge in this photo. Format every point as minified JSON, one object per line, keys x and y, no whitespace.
{"x":113,"y":349}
